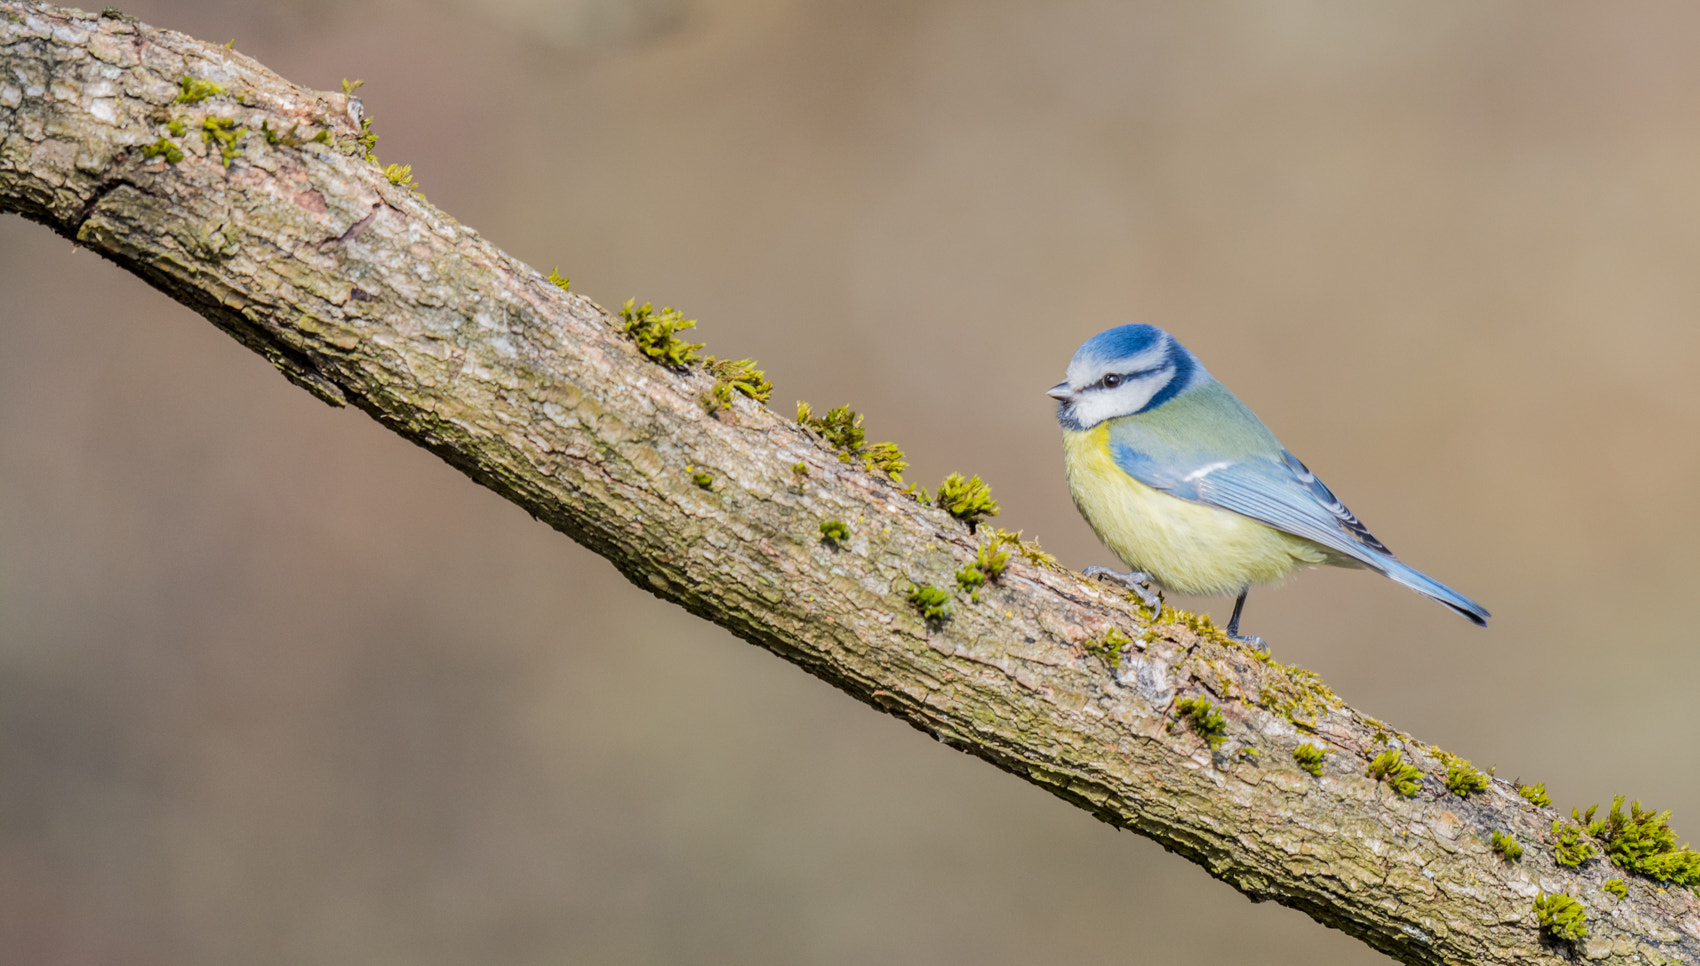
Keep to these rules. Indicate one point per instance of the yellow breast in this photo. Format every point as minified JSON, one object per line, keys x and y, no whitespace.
{"x":1188,"y":547}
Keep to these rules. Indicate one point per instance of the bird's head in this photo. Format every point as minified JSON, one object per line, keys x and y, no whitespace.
{"x":1125,"y":370}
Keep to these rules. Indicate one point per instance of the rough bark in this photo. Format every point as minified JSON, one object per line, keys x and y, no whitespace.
{"x":365,"y":294}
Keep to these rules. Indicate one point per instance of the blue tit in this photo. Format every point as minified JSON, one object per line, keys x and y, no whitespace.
{"x":1189,"y":488}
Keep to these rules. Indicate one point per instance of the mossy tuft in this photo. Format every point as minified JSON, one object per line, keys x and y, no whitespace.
{"x":931,"y":603}
{"x":656,"y":334}
{"x":223,"y":132}
{"x":163,"y":149}
{"x":289,"y":138}
{"x":1391,"y":767}
{"x":1462,"y":779}
{"x":192,"y":90}
{"x":1570,"y":845}
{"x":991,"y":561}
{"x":969,"y":580}
{"x":701,"y":478}
{"x":1506,"y":846}
{"x":1109,"y":647}
{"x":1642,"y":842}
{"x":834,"y":533}
{"x":967,"y":500}
{"x":1296,"y":694}
{"x":1616,"y":888}
{"x":368,"y":141}
{"x":1205,"y":719}
{"x":886,"y":458}
{"x":988,"y":564}
{"x":1028,"y":549}
{"x":401,"y":175}
{"x":841,"y":428}
{"x":1309,"y":758}
{"x":558,"y":280}
{"x":1536,"y":794}
{"x":1561,"y":917}
{"x":734,"y":376}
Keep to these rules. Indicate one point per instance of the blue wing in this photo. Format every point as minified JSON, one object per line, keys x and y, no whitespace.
{"x":1269,"y":485}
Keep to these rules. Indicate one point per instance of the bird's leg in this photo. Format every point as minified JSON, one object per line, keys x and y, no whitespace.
{"x":1234,"y":626}
{"x":1136,"y":581}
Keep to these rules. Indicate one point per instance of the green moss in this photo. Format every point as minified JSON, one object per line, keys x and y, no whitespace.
{"x":967,"y":500}
{"x":834,"y":532}
{"x":191,"y":90}
{"x":841,"y":428}
{"x":734,"y":376}
{"x":1309,"y":758}
{"x":1390,"y":767}
{"x":163,"y":149}
{"x":988,"y":564}
{"x":350,"y":86}
{"x":1462,"y":779}
{"x":992,"y":561}
{"x":1570,"y":845}
{"x":176,"y":127}
{"x":1109,"y":647}
{"x":1641,"y":841}
{"x":1561,"y":917}
{"x":1616,"y":888}
{"x":368,"y":141}
{"x":1205,"y":719}
{"x":290,"y":138}
{"x":401,"y":175}
{"x":701,"y":478}
{"x":969,"y":580}
{"x":1199,"y":624}
{"x":931,"y":603}
{"x":656,"y":334}
{"x":1536,"y":794}
{"x":1507,"y":847}
{"x":558,"y":280}
{"x":1295,"y":693}
{"x":1028,"y":549}
{"x":222,"y":132}
{"x":886,"y":458}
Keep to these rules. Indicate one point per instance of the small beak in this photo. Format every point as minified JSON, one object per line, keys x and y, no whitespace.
{"x":1059,"y":391}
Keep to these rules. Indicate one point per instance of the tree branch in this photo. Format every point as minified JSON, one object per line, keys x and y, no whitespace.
{"x":231,"y":200}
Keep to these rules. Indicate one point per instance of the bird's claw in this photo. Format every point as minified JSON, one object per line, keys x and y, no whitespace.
{"x":1250,"y":640}
{"x":1139,"y":583}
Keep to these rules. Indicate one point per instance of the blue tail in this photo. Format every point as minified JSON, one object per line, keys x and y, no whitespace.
{"x":1433,"y":589}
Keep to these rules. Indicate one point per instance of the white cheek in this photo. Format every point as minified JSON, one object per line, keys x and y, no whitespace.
{"x":1097,"y":405}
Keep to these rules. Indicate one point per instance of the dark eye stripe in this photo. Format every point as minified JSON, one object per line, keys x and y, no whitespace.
{"x":1122,"y":377}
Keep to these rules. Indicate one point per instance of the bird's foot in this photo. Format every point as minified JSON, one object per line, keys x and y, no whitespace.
{"x":1250,"y":640}
{"x":1136,"y":581}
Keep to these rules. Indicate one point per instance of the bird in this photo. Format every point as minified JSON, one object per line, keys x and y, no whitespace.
{"x":1192,"y":491}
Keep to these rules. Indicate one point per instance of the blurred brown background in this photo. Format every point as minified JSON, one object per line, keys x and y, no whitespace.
{"x":277,"y":687}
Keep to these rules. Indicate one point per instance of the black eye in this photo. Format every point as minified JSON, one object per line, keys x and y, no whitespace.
{"x":1112,"y":380}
